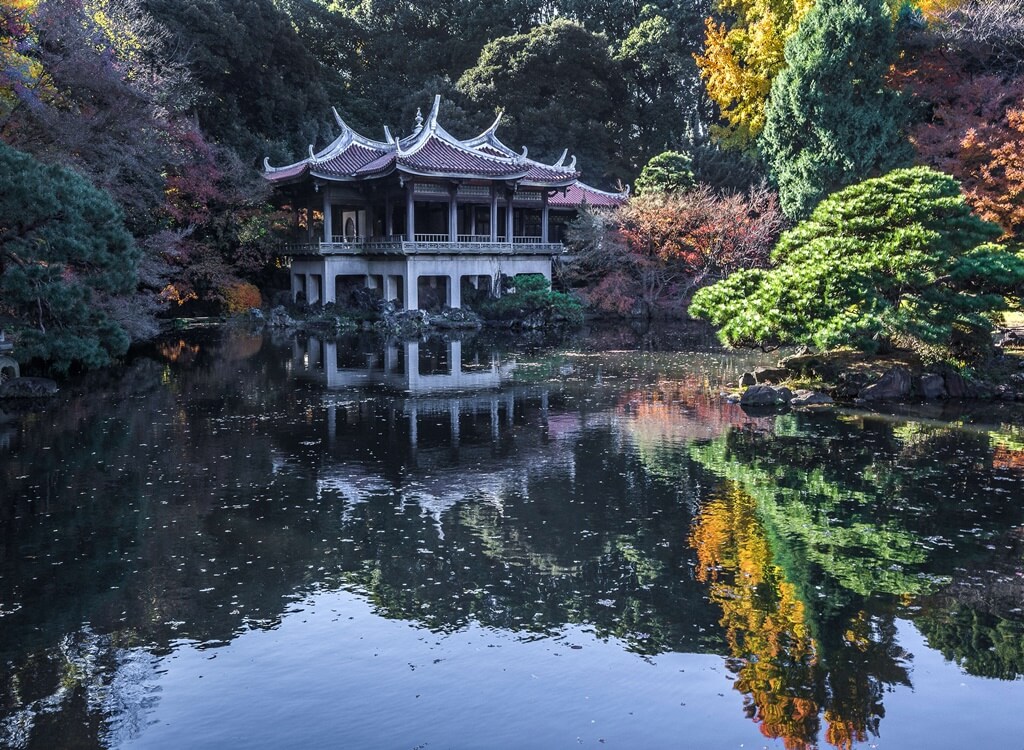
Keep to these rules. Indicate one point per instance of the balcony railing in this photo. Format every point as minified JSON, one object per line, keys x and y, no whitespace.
{"x":428,"y":244}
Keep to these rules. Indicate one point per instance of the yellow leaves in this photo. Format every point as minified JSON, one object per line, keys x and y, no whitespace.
{"x":932,"y":9}
{"x":740,"y":63}
{"x":121,"y":35}
{"x":17,"y":70}
{"x":171,"y":293}
{"x":22,"y":6}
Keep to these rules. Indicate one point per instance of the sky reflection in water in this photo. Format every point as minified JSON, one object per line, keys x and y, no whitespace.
{"x":261,"y":542}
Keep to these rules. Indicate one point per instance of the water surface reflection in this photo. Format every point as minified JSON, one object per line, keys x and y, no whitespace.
{"x":236,"y":489}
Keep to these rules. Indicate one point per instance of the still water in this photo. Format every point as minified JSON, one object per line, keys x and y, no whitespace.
{"x":259,"y":541}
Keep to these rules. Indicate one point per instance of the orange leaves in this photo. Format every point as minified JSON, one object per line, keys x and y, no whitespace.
{"x":701,"y":232}
{"x":975,"y":133}
{"x":995,"y":155}
{"x":241,"y":297}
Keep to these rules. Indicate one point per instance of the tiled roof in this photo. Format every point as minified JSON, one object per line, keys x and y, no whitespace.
{"x":431,"y":150}
{"x":380,"y":165}
{"x":543,"y":173}
{"x":284,"y":173}
{"x":438,"y":155}
{"x":579,"y":193}
{"x":348,"y":161}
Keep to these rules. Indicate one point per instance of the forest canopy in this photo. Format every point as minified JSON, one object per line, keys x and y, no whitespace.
{"x":716,"y":110}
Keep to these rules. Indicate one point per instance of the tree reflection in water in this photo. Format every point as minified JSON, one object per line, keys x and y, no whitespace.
{"x":825,"y":531}
{"x":231,"y":474}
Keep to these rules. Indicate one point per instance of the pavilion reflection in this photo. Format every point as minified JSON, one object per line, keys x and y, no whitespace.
{"x":433,"y":365}
{"x":452,"y":405}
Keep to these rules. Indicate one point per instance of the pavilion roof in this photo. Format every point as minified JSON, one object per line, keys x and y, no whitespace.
{"x":579,"y":193}
{"x":430,"y":150}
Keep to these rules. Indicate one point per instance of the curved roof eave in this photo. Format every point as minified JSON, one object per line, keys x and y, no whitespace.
{"x":352,"y":177}
{"x":460,"y":175}
{"x":557,"y":185}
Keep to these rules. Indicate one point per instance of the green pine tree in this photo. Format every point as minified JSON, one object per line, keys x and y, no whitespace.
{"x":65,"y":257}
{"x":668,"y":172}
{"x":898,"y":258}
{"x":831,"y":120}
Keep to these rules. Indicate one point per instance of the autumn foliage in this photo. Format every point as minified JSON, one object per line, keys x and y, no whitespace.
{"x":662,"y":246}
{"x":741,"y":61}
{"x":975,"y":132}
{"x":241,"y":296}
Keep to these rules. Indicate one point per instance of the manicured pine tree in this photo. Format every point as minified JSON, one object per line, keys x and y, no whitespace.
{"x":831,"y":119}
{"x":65,"y":256}
{"x":668,"y":172}
{"x":898,"y":259}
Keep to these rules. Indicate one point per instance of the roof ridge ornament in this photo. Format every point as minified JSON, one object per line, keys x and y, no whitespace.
{"x":387,"y":135}
{"x":419,"y":120}
{"x":561,"y":159}
{"x":494,"y":125}
{"x":337,"y":118}
{"x":432,"y":117}
{"x":572,"y":163}
{"x":312,"y":153}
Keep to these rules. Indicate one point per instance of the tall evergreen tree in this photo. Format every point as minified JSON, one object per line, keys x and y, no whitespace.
{"x":831,"y":120}
{"x":263,"y":90}
{"x":559,"y":88}
{"x":65,"y":259}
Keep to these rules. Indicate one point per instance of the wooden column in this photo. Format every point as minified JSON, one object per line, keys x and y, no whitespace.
{"x":328,"y":228}
{"x":508,"y":216}
{"x":544,"y":218}
{"x":494,"y":214}
{"x":389,"y":216}
{"x":410,"y":214}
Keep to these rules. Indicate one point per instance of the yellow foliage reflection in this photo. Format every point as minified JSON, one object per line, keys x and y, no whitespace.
{"x":773,"y":653}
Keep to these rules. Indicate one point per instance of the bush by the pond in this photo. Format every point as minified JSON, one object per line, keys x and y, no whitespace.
{"x":898,"y":259}
{"x":532,"y":298}
{"x":241,"y":296}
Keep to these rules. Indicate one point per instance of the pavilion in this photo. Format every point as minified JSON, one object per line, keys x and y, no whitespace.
{"x":427,"y":219}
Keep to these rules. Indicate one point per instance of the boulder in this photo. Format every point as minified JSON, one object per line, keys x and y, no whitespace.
{"x":932,"y":386}
{"x":28,"y":388}
{"x":766,"y":395}
{"x":279,"y":318}
{"x":982,"y":391}
{"x":801,"y":362}
{"x":455,"y":318}
{"x":810,"y":398}
{"x":747,"y":379}
{"x":770,"y":374}
{"x":956,"y":386}
{"x":892,"y":386}
{"x":1011,"y":337}
{"x":404,"y":323}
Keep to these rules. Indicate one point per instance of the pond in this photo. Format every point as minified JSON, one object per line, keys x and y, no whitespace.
{"x":264,"y":541}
